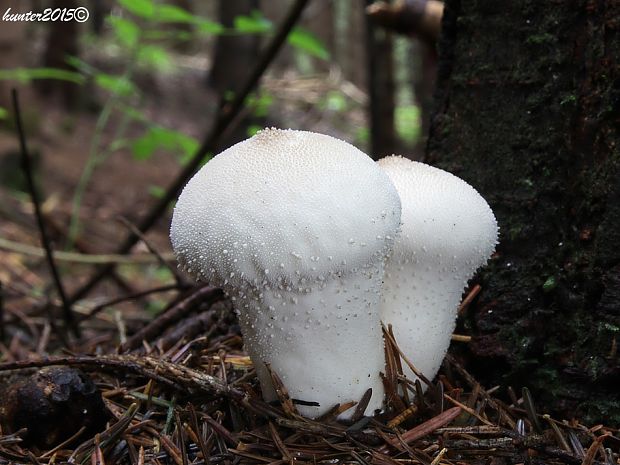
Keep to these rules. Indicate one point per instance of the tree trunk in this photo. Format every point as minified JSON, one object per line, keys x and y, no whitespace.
{"x":527,"y":111}
{"x":234,"y":54}
{"x":380,"y":91}
{"x":62,"y":42}
{"x":234,"y":57}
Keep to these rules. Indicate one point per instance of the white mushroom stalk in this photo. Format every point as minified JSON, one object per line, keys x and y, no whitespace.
{"x":296,"y":227}
{"x":448,"y":231}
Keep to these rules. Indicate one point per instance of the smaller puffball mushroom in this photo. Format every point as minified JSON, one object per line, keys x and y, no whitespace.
{"x":296,"y":227}
{"x":448,"y":231}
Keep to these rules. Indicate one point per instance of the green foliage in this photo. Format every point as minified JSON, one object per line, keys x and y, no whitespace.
{"x":120,"y":85}
{"x":254,"y":24}
{"x":173,"y":14}
{"x":25,"y":75}
{"x":160,"y":138}
{"x":4,"y":114}
{"x":260,"y":103}
{"x":568,"y":99}
{"x":549,"y":284}
{"x":156,"y":57}
{"x":299,"y":38}
{"x":307,"y":42}
{"x":407,"y":123}
{"x":334,"y":101}
{"x":126,"y":32}
{"x":362,"y":136}
{"x":142,"y":8}
{"x":157,"y":191}
{"x":253,"y":129}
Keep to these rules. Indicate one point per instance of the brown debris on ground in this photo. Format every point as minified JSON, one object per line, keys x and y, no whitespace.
{"x":195,"y":399}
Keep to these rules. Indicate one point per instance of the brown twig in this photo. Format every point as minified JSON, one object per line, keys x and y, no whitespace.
{"x":173,"y":314}
{"x":178,"y":377}
{"x":389,"y":336}
{"x":2,"y":330}
{"x":209,"y":145}
{"x":97,"y":309}
{"x":28,"y":173}
{"x":471,"y":295}
{"x":160,"y":258}
{"x":425,"y":428}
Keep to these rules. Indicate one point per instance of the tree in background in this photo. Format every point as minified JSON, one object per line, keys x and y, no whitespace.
{"x":233,"y":57}
{"x":527,"y":111}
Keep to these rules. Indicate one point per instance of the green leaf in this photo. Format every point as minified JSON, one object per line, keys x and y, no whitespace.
{"x":115,"y":84}
{"x":362,"y":135}
{"x":144,"y":146}
{"x":4,"y":114}
{"x":253,"y":129}
{"x":80,"y":65}
{"x":173,"y":14}
{"x":126,"y":31}
{"x":143,"y":8}
{"x":549,"y":284}
{"x":155,"y":56}
{"x":307,"y":42}
{"x":335,"y":101}
{"x":27,"y":74}
{"x":260,"y":104}
{"x":407,"y":122}
{"x":189,"y":146}
{"x":254,"y":24}
{"x":157,"y":191}
{"x":209,"y":27}
{"x":157,"y":137}
{"x":132,"y":113}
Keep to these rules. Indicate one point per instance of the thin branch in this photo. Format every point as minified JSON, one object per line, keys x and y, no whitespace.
{"x":178,"y":278}
{"x":126,"y":298}
{"x":2,"y":331}
{"x":28,"y":170}
{"x":175,"y":376}
{"x":83,"y":258}
{"x":210,"y":144}
{"x":173,"y":314}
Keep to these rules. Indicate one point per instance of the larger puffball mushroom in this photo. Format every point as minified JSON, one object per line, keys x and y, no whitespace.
{"x":296,"y":227}
{"x":448,"y":232}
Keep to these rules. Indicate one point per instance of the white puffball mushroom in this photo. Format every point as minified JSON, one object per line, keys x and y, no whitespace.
{"x":296,"y":227}
{"x":448,"y":231}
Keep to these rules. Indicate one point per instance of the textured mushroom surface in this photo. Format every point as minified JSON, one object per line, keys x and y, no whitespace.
{"x":296,"y":227}
{"x":448,"y":232}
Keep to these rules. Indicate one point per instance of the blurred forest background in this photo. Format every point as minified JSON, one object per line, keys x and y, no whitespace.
{"x":117,"y":104}
{"x":120,"y":109}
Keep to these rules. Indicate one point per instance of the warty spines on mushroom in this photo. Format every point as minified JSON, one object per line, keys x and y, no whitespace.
{"x":448,"y":231}
{"x":296,"y":226}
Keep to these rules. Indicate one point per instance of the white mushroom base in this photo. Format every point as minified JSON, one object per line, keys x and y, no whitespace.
{"x":325,"y":343}
{"x":423,"y":306}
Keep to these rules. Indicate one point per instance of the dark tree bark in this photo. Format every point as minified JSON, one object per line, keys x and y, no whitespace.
{"x":528,"y":106}
{"x":381,"y":87}
{"x":233,"y":58}
{"x":234,"y":54}
{"x":62,"y":42}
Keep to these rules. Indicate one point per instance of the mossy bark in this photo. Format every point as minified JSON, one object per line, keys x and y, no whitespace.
{"x":527,"y":111}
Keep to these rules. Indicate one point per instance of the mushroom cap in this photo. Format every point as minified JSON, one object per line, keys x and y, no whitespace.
{"x":284,"y":206}
{"x":442,"y":217}
{"x":448,"y":231}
